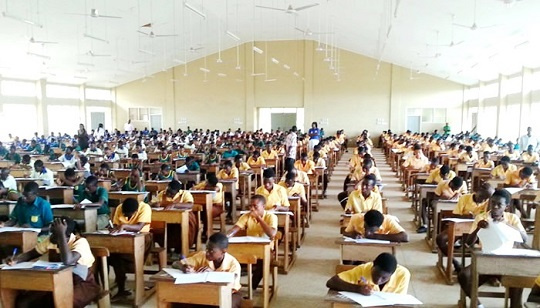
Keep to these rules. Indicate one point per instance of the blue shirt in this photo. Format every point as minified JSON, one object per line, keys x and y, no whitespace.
{"x":314,"y":131}
{"x":37,"y":214}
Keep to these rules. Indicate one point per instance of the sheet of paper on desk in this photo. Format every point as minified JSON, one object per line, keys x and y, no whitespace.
{"x":220,"y":277}
{"x":365,"y":241}
{"x":173,"y":272}
{"x":498,"y":236}
{"x":513,"y":190}
{"x":116,"y":233}
{"x":455,"y":219}
{"x":517,"y":252}
{"x":273,"y":212}
{"x":22,"y":265}
{"x":249,"y":239}
{"x":40,"y":264}
{"x":382,"y":299}
{"x":86,"y":201}
{"x":18,"y":229}
{"x":62,"y":206}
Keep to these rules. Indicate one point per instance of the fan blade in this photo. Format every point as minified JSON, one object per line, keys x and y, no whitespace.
{"x":305,"y":7}
{"x":108,"y":16}
{"x":463,"y":26}
{"x":486,"y":27}
{"x":270,"y":8}
{"x":304,"y":32}
{"x":141,"y":32}
{"x":455,"y":44}
{"x":148,"y":25}
{"x":165,"y":35}
{"x":34,"y":41}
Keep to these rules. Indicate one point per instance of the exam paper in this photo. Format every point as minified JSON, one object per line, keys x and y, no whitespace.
{"x":382,"y":299}
{"x":365,"y":241}
{"x":19,"y":229}
{"x":498,"y":235}
{"x":86,"y":201}
{"x":22,"y":265}
{"x":248,"y":239}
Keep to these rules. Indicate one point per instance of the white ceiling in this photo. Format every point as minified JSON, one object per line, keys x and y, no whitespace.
{"x":395,"y":31}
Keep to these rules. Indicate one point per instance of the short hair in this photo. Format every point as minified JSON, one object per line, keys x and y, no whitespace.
{"x":165,"y":167}
{"x":505,"y":159}
{"x":38,"y":163}
{"x":259,"y":198}
{"x":69,"y":172}
{"x":91,"y":180}
{"x":238,"y":157}
{"x":373,"y":218}
{"x":435,"y":160}
{"x":175,"y":185}
{"x":503,"y":194}
{"x":370,"y":177}
{"x":71,"y":225}
{"x":227,"y":163}
{"x":368,"y":162}
{"x":303,"y":155}
{"x":31,"y":187}
{"x":269,"y":173}
{"x":417,"y":147}
{"x":457,"y":182}
{"x":256,"y":152}
{"x":468,"y":148}
{"x":294,"y":128}
{"x":26,"y":157}
{"x":219,"y":239}
{"x":130,"y":205}
{"x":386,"y":262}
{"x":527,"y":171}
{"x":104,"y":166}
{"x":445,"y":169}
{"x":212,"y":179}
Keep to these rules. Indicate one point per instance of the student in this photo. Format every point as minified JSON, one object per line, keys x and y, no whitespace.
{"x":93,"y":150}
{"x":260,"y":223}
{"x":485,"y":162}
{"x":374,"y":225}
{"x":72,"y":250}
{"x":304,"y":164}
{"x":356,"y":160}
{"x":441,"y":174}
{"x":165,"y":157}
{"x":365,"y":199}
{"x":321,"y":163}
{"x":35,"y":148}
{"x":275,"y":195}
{"x":229,"y":154}
{"x":469,"y":156}
{"x":121,"y":150}
{"x":498,"y":204}
{"x":299,"y":176}
{"x":165,"y":173}
{"x":139,"y":150}
{"x":212,"y":158}
{"x":522,"y":178}
{"x":416,"y":161}
{"x":13,"y":155}
{"x":530,"y":156}
{"x":104,"y":173}
{"x":268,"y":152}
{"x":215,"y":259}
{"x":31,"y":211}
{"x":134,"y":182}
{"x":192,"y":164}
{"x":42,"y":173}
{"x":27,"y":162}
{"x":99,"y":197}
{"x":8,"y":189}
{"x":3,"y":150}
{"x":295,"y":189}
{"x":383,"y":274}
{"x":255,"y":160}
{"x":229,"y":173}
{"x":504,"y":166}
{"x":130,"y":216}
{"x":111,"y":156}
{"x":68,"y":159}
{"x":71,"y":178}
{"x":212,"y":184}
{"x":534,"y":296}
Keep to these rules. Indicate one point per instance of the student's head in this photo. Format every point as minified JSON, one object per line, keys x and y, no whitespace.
{"x":314,"y":125}
{"x":227,"y":165}
{"x":69,"y":150}
{"x":173,"y":188}
{"x":487,"y":155}
{"x":505,"y":161}
{"x":30,"y":192}
{"x":216,"y":247}
{"x":498,"y":203}
{"x":293,"y":129}
{"x":366,"y":165}
{"x":92,"y":145}
{"x":38,"y":165}
{"x":238,"y":159}
{"x":211,"y":179}
{"x":83,"y":160}
{"x":268,"y":178}
{"x":373,"y":220}
{"x":12,"y":149}
{"x":525,"y":173}
{"x":316,"y":156}
{"x":384,"y":267}
{"x":368,"y":183}
{"x":257,"y":204}
{"x":303,"y":157}
{"x":256,"y":154}
{"x":468,"y":149}
{"x":134,"y":175}
{"x":71,"y":226}
{"x":165,"y":169}
{"x":456,"y":183}
{"x":444,"y":171}
{"x":434,"y":162}
{"x":104,"y":169}
{"x":269,"y":146}
{"x":530,"y":149}
{"x":70,"y":174}
{"x":4,"y":173}
{"x":129,"y":207}
{"x":485,"y":191}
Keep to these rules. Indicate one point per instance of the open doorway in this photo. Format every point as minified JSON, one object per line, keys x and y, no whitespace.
{"x":281,"y":118}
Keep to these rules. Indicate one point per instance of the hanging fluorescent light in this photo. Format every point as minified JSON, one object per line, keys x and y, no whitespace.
{"x":38,"y":55}
{"x":219,"y":60}
{"x":95,"y":38}
{"x":276,"y":61}
{"x":285,"y":66}
{"x":296,"y":74}
{"x":179,"y":61}
{"x":194,"y":10}
{"x":203,"y":69}
{"x":232,"y":35}
{"x":258,"y":50}
{"x":222,"y":75}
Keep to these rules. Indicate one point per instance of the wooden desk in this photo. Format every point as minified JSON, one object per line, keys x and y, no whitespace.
{"x":53,"y":166}
{"x":57,"y":192}
{"x":21,"y":182}
{"x":203,"y":198}
{"x":423,"y":191}
{"x":246,"y":179}
{"x":20,"y":173}
{"x":105,"y":184}
{"x":438,"y":206}
{"x":175,"y":217}
{"x":6,"y":163}
{"x":490,"y":264}
{"x":479,"y":174}
{"x":121,"y":173}
{"x":213,"y":294}
{"x":289,"y":255}
{"x":536,"y":235}
{"x":156,"y":186}
{"x":6,"y":207}
{"x":87,"y":214}
{"x":59,"y":282}
{"x":121,"y":196}
{"x":189,"y":177}
{"x":126,"y":244}
{"x":60,"y":173}
{"x":365,"y":252}
{"x":261,"y":251}
{"x":25,"y":240}
{"x":229,"y":186}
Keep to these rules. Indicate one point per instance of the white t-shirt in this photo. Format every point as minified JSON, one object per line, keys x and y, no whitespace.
{"x":291,"y":144}
{"x":128,"y":127}
{"x":10,"y":183}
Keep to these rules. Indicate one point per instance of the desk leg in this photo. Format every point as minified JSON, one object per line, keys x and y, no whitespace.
{"x":90,"y":221}
{"x":63,"y":289}
{"x":8,"y":297}
{"x":233,"y":201}
{"x":286,"y":242}
{"x":474,"y":283}
{"x":225,"y":298}
{"x":160,"y":301}
{"x":138,"y":258}
{"x":185,"y":233}
{"x":266,"y":277}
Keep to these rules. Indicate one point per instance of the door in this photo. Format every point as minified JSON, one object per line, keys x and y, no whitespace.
{"x":413,"y":123}
{"x":96,"y":118}
{"x":155,"y":121}
{"x":283,"y":121}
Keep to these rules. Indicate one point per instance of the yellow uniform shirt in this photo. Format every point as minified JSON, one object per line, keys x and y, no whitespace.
{"x":259,"y":162}
{"x":435,"y":176}
{"x":537,"y":281}
{"x":79,"y":245}
{"x":529,"y":158}
{"x":498,"y":172}
{"x":416,"y":163}
{"x":253,"y":227}
{"x":358,"y":204}
{"x":278,"y":196}
{"x":398,"y":283}
{"x":486,"y":165}
{"x":297,"y":188}
{"x":183,"y":196}
{"x":355,"y":162}
{"x":466,"y":158}
{"x":513,"y":179}
{"x":510,"y":219}
{"x":308,"y":167}
{"x":229,"y":265}
{"x":513,"y":156}
{"x":244,"y":167}
{"x":143,"y":214}
{"x":222,"y":175}
{"x":466,"y":205}
{"x":301,"y":177}
{"x":218,"y":196}
{"x":320,"y":163}
{"x":272,"y":155}
{"x":444,"y":186}
{"x":389,"y":225}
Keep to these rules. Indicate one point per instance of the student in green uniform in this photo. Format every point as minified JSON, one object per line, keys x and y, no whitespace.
{"x":99,"y":197}
{"x":13,"y":155}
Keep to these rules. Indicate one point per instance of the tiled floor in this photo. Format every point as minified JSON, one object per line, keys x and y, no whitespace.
{"x":304,"y":286}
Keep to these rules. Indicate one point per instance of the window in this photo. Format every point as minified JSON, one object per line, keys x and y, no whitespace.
{"x":98,"y":94}
{"x":64,"y":119}
{"x":18,"y":88}
{"x":143,"y":114}
{"x":284,"y":118}
{"x":61,"y":91}
{"x":11,"y":120}
{"x":434,"y":115}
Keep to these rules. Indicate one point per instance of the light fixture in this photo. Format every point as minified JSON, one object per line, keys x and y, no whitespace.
{"x":194,"y":10}
{"x":38,"y":55}
{"x":203,"y":69}
{"x":222,"y":75}
{"x":285,"y":66}
{"x":232,"y":35}
{"x":26,"y":21}
{"x":276,"y":61}
{"x":258,"y":50}
{"x":95,"y":38}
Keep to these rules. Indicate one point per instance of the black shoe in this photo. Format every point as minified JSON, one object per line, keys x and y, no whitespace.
{"x":421,"y":229}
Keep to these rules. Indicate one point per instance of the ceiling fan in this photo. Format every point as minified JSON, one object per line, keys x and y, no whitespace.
{"x":26,"y":21}
{"x":93,"y":54}
{"x":452,"y":42}
{"x":290,"y":9}
{"x":34,"y":41}
{"x":151,"y":34}
{"x":474,"y":25}
{"x":308,"y":32}
{"x":195,"y":49}
{"x":95,"y":14}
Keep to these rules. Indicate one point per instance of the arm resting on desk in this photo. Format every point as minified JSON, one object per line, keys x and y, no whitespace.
{"x":398,"y":237}
{"x":336,"y":283}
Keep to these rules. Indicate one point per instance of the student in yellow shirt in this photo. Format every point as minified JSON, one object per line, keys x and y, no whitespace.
{"x":268,"y":152}
{"x":320,"y":162}
{"x":215,"y":259}
{"x":240,"y":164}
{"x":534,"y":296}
{"x":530,"y":156}
{"x":485,"y":162}
{"x":294,"y":190}
{"x":504,"y":166}
{"x":229,"y":173}
{"x":469,"y":156}
{"x":374,"y":225}
{"x":304,"y":164}
{"x":383,"y":274}
{"x":469,"y":204}
{"x":510,"y":152}
{"x":356,"y":160}
{"x":365,"y":199}
{"x":255,"y":160}
{"x":260,"y":223}
{"x":522,"y":178}
{"x":417,"y":160}
{"x":130,"y":216}
{"x":441,"y":174}
{"x":275,"y":195}
{"x":212,"y":184}
{"x":498,"y":203}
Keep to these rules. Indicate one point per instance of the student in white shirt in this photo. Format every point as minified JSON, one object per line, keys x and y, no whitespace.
{"x":121,"y":150}
{"x":68,"y":159}
{"x":8,"y":185}
{"x":140,"y":152}
{"x":111,"y":156}
{"x":40,"y":172}
{"x":93,"y":150}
